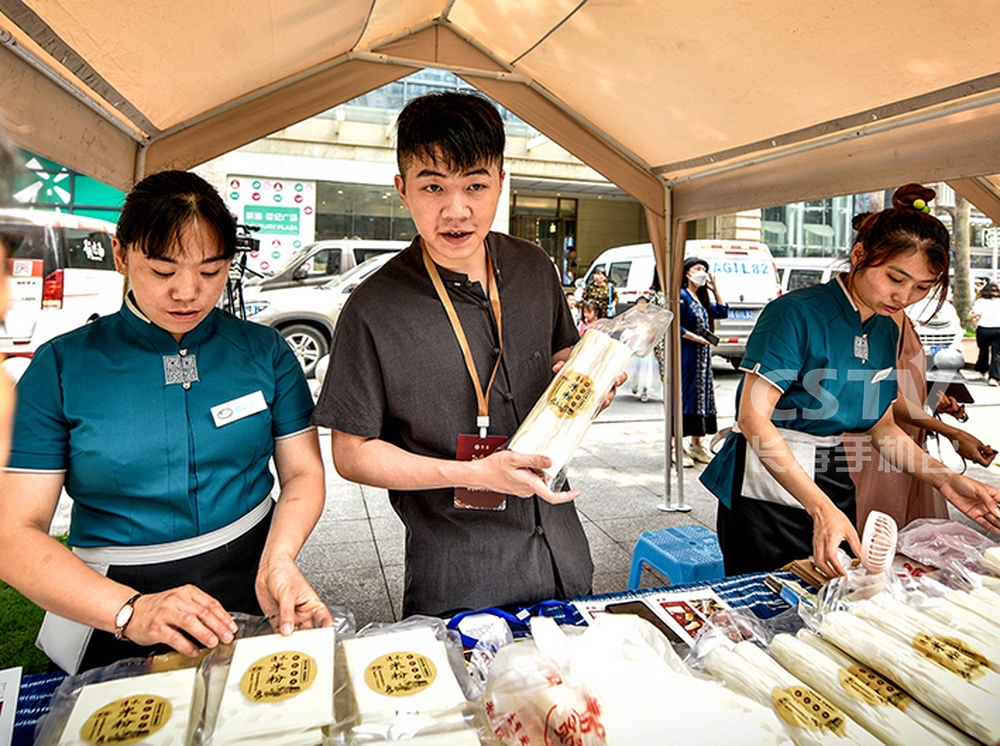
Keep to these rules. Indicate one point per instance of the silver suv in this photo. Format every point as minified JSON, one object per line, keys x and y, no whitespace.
{"x":306,"y":316}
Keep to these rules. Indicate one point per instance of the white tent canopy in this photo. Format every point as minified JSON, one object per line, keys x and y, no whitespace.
{"x":695,"y":109}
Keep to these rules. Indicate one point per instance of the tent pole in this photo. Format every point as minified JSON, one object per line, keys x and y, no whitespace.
{"x":674,"y":419}
{"x":670,"y":260}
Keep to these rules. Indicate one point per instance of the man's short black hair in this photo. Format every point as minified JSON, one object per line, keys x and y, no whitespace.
{"x":462,"y":130}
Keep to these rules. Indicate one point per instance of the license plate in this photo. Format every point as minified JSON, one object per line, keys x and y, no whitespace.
{"x":741,"y":314}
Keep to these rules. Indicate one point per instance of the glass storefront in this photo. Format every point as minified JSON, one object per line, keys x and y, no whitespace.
{"x":361,"y":211}
{"x":820,"y":229}
{"x":549,"y":222}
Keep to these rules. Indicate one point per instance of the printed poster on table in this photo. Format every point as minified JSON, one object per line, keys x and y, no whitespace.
{"x":678,"y":614}
{"x":10,"y":685}
{"x":283,"y":209}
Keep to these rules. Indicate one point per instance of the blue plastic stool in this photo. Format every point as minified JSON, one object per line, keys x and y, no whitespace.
{"x":681,"y":553}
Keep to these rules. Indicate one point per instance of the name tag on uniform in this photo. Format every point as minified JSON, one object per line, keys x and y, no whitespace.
{"x":882,"y":375}
{"x":237,"y":409}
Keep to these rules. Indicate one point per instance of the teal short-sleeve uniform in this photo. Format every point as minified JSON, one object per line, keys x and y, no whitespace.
{"x":159,"y":443}
{"x":144,"y":459}
{"x":836,"y":375}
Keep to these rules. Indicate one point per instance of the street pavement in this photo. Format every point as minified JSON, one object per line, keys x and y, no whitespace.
{"x":354,"y":557}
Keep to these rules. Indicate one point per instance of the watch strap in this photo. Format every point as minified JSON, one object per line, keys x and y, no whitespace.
{"x":120,"y":622}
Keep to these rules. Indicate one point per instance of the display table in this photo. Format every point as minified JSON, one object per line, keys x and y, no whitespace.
{"x":743,"y":592}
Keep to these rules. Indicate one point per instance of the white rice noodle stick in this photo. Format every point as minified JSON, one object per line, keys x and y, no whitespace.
{"x":965,"y":706}
{"x":938,"y":727}
{"x":558,"y":422}
{"x":950,"y":650}
{"x":919,"y":620}
{"x":992,"y":582}
{"x":988,"y":596}
{"x":977,"y":606}
{"x":991,"y":560}
{"x":809,"y":719}
{"x":873,"y":705}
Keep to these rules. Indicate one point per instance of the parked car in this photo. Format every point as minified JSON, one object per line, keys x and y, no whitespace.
{"x":306,"y":316}
{"x":62,"y":275}
{"x":319,"y":262}
{"x":938,"y":330}
{"x":801,"y":272}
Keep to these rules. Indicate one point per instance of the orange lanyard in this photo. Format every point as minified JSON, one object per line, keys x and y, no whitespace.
{"x":482,"y":397}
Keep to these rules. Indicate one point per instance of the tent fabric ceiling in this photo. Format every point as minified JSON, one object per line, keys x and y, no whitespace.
{"x":692,"y":108}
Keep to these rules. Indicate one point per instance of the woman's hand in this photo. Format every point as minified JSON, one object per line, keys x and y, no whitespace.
{"x":831,"y":528}
{"x":178,"y":616}
{"x":972,"y":448}
{"x":287,"y":599}
{"x":949,"y":405}
{"x":977,"y":500}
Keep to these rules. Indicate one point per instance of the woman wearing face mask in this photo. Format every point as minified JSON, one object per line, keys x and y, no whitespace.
{"x":820,"y":363}
{"x":698,"y":314}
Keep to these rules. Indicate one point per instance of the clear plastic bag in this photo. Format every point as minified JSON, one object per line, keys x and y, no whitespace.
{"x":938,"y":542}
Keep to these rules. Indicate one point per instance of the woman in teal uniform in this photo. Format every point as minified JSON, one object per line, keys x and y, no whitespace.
{"x":821,"y":362}
{"x":160,"y":421}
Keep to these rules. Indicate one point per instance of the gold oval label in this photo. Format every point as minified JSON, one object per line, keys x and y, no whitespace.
{"x":955,"y":655}
{"x":127,"y":721}
{"x":803,"y":708}
{"x":571,"y":393}
{"x":400,"y":674}
{"x":872,"y":687}
{"x":278,"y":676}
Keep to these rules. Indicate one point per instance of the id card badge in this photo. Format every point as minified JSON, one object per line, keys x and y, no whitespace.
{"x":471,"y":448}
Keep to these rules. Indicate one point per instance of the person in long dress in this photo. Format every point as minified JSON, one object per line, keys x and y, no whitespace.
{"x":698,"y":312}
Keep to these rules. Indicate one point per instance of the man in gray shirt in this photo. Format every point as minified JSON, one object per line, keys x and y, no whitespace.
{"x":443,"y":350}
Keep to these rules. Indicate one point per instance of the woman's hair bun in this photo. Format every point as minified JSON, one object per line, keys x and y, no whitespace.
{"x":906,"y":194}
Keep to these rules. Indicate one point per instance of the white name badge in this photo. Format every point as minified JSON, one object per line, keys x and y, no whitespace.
{"x":237,"y":409}
{"x":882,"y":375}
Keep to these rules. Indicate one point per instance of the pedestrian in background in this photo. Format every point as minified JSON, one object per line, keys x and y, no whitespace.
{"x":589,"y":315}
{"x":642,"y":370}
{"x":986,"y":314}
{"x":603,"y":292}
{"x":698,"y":313}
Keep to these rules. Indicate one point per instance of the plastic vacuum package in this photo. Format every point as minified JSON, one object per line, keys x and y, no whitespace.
{"x":558,"y":422}
{"x":939,"y":542}
{"x":877,"y":704}
{"x":940,"y":675}
{"x":275,"y":690}
{"x":408,"y":681}
{"x":128,"y":702}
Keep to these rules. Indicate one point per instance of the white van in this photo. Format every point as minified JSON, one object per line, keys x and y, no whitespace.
{"x":744,"y":274}
{"x":61,"y":275}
